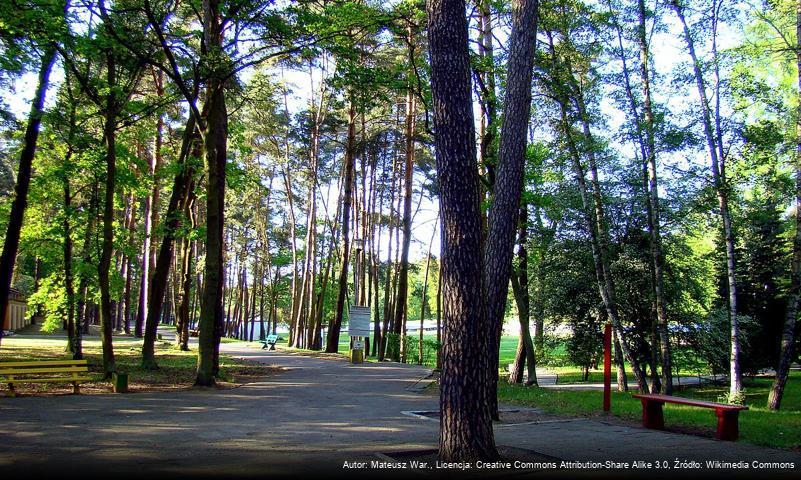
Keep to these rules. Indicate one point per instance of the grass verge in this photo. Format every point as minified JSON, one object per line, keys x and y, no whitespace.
{"x":758,"y":425}
{"x":176,"y":371}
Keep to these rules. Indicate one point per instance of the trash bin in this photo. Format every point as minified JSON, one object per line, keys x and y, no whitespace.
{"x":120,"y":382}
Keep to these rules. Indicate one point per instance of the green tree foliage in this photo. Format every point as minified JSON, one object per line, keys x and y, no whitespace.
{"x":310,"y":86}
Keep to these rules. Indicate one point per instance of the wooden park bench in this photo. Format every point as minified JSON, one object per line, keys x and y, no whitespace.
{"x":728,"y":415}
{"x":45,"y":371}
{"x":269,"y":342}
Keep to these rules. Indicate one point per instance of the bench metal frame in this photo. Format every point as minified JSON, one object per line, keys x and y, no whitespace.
{"x":270,"y":342}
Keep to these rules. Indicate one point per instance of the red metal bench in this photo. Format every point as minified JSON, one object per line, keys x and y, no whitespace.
{"x":728,"y":415}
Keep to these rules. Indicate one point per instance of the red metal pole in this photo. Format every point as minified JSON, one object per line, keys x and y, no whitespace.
{"x":607,"y":366}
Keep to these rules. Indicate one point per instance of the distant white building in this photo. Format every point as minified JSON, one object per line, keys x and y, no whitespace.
{"x":15,"y":316}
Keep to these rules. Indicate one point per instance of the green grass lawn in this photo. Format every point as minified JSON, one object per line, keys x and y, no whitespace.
{"x":507,"y":354}
{"x":758,"y":425}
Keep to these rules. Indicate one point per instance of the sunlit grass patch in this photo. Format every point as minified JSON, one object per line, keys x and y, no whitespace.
{"x":758,"y":425}
{"x":177,"y":369}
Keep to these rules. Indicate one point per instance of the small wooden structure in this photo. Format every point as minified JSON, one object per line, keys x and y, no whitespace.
{"x":728,"y":415}
{"x":15,"y":316}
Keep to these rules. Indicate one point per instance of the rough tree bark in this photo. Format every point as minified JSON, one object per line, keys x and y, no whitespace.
{"x":504,"y":212}
{"x":215,"y":148}
{"x":465,"y":422}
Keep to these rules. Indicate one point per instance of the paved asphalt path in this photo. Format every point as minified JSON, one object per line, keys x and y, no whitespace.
{"x":311,"y":417}
{"x":307,"y":419}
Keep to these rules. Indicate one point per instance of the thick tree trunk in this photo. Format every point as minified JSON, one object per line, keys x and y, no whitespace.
{"x":439,"y":311}
{"x":788,"y":332}
{"x":215,"y":146}
{"x":504,"y":212}
{"x":465,"y":421}
{"x":20,"y":202}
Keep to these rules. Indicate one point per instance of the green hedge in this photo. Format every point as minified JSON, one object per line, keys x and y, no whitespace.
{"x":430,"y":349}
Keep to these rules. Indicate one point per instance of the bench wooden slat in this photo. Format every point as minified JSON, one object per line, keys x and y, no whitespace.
{"x":13,"y":373}
{"x":727,"y":415}
{"x":690,"y":402}
{"x":48,"y":380}
{"x":43,"y":363}
{"x":27,"y":371}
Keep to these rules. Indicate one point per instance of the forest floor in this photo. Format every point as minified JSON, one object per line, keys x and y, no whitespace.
{"x":176,"y":368}
{"x":311,"y":415}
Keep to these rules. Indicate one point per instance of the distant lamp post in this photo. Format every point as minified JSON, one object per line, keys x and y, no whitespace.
{"x":358,"y":245}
